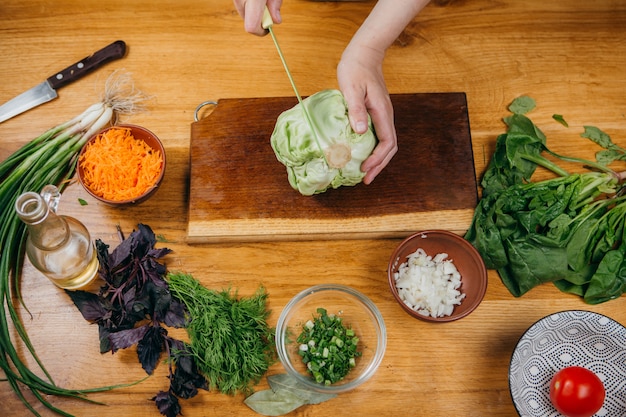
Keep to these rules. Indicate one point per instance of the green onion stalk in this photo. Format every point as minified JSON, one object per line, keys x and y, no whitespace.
{"x":48,"y":159}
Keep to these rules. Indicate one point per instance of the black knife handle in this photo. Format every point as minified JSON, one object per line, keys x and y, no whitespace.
{"x":116,"y":50}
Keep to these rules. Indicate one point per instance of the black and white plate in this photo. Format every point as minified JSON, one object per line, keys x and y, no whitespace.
{"x":568,"y":338}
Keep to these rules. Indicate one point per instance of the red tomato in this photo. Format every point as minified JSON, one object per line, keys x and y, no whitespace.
{"x":576,"y":392}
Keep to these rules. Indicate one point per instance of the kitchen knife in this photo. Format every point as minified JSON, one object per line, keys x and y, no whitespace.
{"x":268,"y":23}
{"x":46,"y":91}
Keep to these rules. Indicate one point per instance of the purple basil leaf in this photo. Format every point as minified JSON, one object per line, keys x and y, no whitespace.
{"x":177,"y":346}
{"x":167,"y":404}
{"x":136,"y":308}
{"x":102,"y":250}
{"x":186,"y":379}
{"x":103,"y":334}
{"x":183,"y":387}
{"x":176,"y":316}
{"x":146,"y":235}
{"x":142,"y":305}
{"x":185,"y":364}
{"x":121,"y":253}
{"x":153,"y":269}
{"x":142,"y":240}
{"x":128,"y":297}
{"x":89,"y":305}
{"x":186,"y":385}
{"x":150,"y":347}
{"x":161,"y":299}
{"x":158,"y":253}
{"x":126,"y":338}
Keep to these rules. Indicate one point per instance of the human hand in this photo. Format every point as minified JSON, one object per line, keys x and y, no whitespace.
{"x":361,"y":81}
{"x":252,"y":13}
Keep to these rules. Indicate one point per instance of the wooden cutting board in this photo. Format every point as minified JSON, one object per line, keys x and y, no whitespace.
{"x":240,"y":192}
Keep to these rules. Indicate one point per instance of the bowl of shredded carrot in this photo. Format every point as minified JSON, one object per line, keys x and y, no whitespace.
{"x":122,"y":164}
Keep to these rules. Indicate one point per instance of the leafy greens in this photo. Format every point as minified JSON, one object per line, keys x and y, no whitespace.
{"x":133,"y":307}
{"x":568,"y":230}
{"x":231,"y":340}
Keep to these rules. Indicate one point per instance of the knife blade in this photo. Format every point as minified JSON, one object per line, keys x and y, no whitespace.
{"x":268,"y":23}
{"x":47,"y":90}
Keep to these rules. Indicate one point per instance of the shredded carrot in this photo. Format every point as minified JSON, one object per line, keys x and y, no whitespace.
{"x":119,"y":167}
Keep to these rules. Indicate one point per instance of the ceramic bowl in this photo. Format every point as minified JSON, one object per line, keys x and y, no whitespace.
{"x":357,"y":311}
{"x":465,"y":258}
{"x":139,"y":133}
{"x":563,"y":339}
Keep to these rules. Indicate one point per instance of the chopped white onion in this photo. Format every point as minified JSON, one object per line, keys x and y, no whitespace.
{"x":429,"y":285}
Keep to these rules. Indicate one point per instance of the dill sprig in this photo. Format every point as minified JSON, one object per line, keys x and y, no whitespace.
{"x":229,"y":336}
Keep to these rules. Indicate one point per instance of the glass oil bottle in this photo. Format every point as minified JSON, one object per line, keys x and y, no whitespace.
{"x":58,"y":246}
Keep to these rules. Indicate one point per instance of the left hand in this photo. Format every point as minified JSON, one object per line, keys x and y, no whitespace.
{"x":361,"y":81}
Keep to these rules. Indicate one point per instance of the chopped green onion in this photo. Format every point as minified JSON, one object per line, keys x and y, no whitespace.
{"x":328,"y":348}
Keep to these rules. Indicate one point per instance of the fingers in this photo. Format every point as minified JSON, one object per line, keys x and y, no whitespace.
{"x":252,"y":17}
{"x":374,"y":101}
{"x":380,"y":110}
{"x":357,"y":112}
{"x":382,"y":118}
{"x":379,"y":159}
{"x":274,"y":8}
{"x":252,"y":13}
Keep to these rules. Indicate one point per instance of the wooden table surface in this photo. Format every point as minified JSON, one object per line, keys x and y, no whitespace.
{"x":570,"y":55}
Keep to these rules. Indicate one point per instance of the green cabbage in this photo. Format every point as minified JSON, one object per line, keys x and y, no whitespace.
{"x":334,"y":159}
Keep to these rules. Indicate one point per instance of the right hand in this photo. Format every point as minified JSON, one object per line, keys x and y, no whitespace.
{"x":252,"y":13}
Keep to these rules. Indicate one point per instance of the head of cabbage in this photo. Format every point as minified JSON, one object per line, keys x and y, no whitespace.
{"x":328,"y":156}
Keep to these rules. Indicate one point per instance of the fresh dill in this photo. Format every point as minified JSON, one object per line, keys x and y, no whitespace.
{"x":229,"y":336}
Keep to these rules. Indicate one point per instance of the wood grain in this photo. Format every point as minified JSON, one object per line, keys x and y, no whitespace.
{"x":239,"y":191}
{"x":567,"y":54}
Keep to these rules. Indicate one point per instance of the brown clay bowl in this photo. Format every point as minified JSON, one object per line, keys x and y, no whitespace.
{"x":139,"y":133}
{"x":464,"y":256}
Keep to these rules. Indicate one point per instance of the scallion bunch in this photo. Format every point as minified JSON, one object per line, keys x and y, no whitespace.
{"x":48,"y":159}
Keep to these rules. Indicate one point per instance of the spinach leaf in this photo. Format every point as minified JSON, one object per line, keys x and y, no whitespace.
{"x":531,"y":264}
{"x":486,"y":235}
{"x":611,"y":151}
{"x":508,"y":167}
{"x":544,"y":232}
{"x":559,"y":118}
{"x":522,"y":105}
{"x":609,"y":281}
{"x":559,"y":230}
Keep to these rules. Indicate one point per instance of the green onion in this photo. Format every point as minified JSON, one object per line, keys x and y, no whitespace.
{"x":328,"y":348}
{"x":48,"y":159}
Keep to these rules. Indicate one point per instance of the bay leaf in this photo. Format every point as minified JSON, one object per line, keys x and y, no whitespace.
{"x":285,"y":382}
{"x":273,"y":403}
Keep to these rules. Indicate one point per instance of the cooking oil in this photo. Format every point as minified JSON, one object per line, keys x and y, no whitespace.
{"x":58,"y":246}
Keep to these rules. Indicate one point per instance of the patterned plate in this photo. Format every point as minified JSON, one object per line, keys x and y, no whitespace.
{"x":568,"y":338}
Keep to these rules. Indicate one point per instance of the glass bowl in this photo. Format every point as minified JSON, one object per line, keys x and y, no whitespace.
{"x":357,"y":312}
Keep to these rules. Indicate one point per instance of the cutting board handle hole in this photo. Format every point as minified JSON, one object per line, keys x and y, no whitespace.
{"x":196,"y":114}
